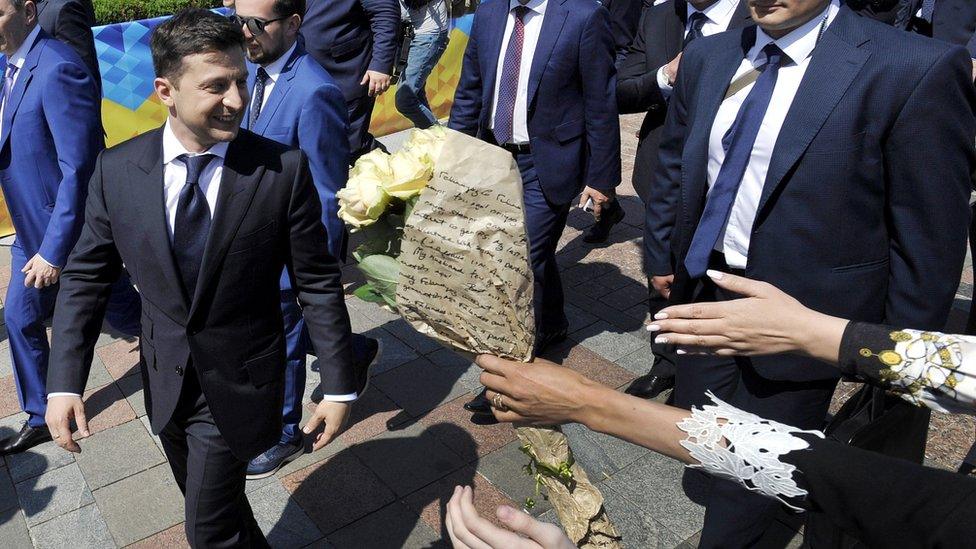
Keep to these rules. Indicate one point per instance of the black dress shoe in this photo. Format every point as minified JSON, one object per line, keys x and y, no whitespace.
{"x":545,"y":340}
{"x":479,"y":404}
{"x":366,"y":351}
{"x":600,"y":231}
{"x":484,"y":419}
{"x":650,"y":385}
{"x":27,"y":438}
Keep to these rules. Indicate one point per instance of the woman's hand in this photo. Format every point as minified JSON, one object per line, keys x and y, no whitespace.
{"x":541,"y":392}
{"x":765,"y":321}
{"x":468,"y":530}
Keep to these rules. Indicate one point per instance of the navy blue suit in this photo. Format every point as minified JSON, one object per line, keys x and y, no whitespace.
{"x":51,"y":134}
{"x":349,"y":37}
{"x":863,"y":213}
{"x":306,"y":111}
{"x":573,"y":126}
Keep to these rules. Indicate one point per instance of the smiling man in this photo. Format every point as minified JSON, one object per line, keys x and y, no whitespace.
{"x":205,"y":216}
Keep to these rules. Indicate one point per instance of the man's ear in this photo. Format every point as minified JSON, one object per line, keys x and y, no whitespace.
{"x":30,"y":12}
{"x":164,"y":91}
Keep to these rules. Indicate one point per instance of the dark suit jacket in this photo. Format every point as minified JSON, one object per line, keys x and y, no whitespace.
{"x":861,"y":216}
{"x":573,"y":125}
{"x":349,"y":37}
{"x":71,"y":22}
{"x":230,"y":334}
{"x":624,"y":16}
{"x":953,"y":21}
{"x":658,"y":41}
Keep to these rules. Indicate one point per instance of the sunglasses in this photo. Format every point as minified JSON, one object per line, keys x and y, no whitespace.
{"x":253,"y":24}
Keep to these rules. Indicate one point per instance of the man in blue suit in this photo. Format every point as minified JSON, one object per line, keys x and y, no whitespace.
{"x":538,"y":79}
{"x":296,"y":102}
{"x":355,"y":41}
{"x":50,"y":134}
{"x":829,"y":155}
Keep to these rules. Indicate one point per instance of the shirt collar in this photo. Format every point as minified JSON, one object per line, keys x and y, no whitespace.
{"x":538,"y":6}
{"x":798,"y":44}
{"x":20,"y":56}
{"x":717,"y":12}
{"x":173,"y":149}
{"x":275,"y":67}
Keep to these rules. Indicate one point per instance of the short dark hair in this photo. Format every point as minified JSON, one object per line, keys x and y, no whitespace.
{"x":190,"y":32}
{"x":287,"y":8}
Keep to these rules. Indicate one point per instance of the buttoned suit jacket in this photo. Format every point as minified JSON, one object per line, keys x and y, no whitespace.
{"x":229,"y":333}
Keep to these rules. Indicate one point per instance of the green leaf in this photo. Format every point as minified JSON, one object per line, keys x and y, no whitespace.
{"x":381,"y":271}
{"x":368,"y":294}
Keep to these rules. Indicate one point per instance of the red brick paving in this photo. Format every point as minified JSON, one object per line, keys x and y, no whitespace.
{"x":9,"y":403}
{"x":487,"y":438}
{"x":121,"y":358}
{"x":106,"y":408}
{"x":430,"y":502}
{"x":171,"y":538}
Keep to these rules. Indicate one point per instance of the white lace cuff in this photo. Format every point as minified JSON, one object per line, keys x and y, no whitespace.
{"x":752,"y":454}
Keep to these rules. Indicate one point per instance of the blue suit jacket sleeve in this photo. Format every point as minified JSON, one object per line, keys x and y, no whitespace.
{"x":466,"y":110}
{"x":927,"y":251}
{"x":384,"y":20}
{"x":665,"y":190}
{"x":596,"y":58}
{"x":322,"y":135}
{"x":71,"y":110}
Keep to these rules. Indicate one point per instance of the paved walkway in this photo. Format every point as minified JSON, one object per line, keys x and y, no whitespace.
{"x":384,"y":483}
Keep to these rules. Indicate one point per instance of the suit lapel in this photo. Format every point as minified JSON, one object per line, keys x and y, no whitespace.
{"x":23,"y":80}
{"x":836,"y":61}
{"x":152,"y":207}
{"x":238,"y":184}
{"x":552,"y":26}
{"x":278,"y":93}
{"x":674,"y":29}
{"x":252,"y":72}
{"x":741,"y":17}
{"x":495,"y":30}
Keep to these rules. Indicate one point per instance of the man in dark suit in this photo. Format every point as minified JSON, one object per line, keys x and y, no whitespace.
{"x":71,"y":22}
{"x":50,"y":133}
{"x":645,"y":84}
{"x":952,"y":21}
{"x":355,"y":41}
{"x":295,"y":102}
{"x":205,"y":216}
{"x":800,"y":153}
{"x":538,"y":79}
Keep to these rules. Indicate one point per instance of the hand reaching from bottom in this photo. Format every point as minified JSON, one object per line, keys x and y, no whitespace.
{"x":469,"y":530}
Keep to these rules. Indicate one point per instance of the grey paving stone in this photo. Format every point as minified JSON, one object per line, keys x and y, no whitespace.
{"x":98,"y":376}
{"x":653,"y":486}
{"x":578,"y":318}
{"x":311,"y":458}
{"x":116,"y":453}
{"x":13,"y":530}
{"x":53,"y":494}
{"x":636,"y":528}
{"x":8,"y":494}
{"x":606,"y":341}
{"x":504,"y":468}
{"x":391,"y":526}
{"x":394,"y":353}
{"x":417,"y":341}
{"x":360,"y":321}
{"x":282,"y":520}
{"x":420,"y":386}
{"x":148,"y":426}
{"x":82,"y":527}
{"x":408,"y":459}
{"x":151,"y":495}
{"x":39,"y":459}
{"x":131,"y":387}
{"x":601,"y":455}
{"x":469,"y":371}
{"x":639,"y":361}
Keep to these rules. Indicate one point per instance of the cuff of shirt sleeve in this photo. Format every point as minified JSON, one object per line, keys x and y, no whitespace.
{"x":663,"y":83}
{"x":48,"y":262}
{"x":49,"y":395}
{"x":349,"y":397}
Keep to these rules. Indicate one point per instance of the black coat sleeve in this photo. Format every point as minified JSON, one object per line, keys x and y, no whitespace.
{"x":637,"y":87}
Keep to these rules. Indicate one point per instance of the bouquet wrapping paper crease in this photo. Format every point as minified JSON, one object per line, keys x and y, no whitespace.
{"x":464,"y":279}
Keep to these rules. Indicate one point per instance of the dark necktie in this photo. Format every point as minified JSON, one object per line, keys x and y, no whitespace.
{"x":258,"y":100}
{"x":508,"y":86}
{"x":192,"y":223}
{"x":738,"y":143}
{"x":695,"y":24}
{"x":928,"y":9}
{"x":8,"y":82}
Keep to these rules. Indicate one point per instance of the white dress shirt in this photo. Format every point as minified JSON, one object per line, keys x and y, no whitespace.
{"x":18,"y":59}
{"x":718,"y":17}
{"x":533,"y":28}
{"x":174,"y":179}
{"x":798,"y":47}
{"x":274,"y":69}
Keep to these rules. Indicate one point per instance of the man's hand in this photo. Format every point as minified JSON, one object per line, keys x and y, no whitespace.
{"x":541,"y":393}
{"x":469,"y":530}
{"x":376,"y":81}
{"x":39,"y":273}
{"x":671,"y":69}
{"x":333,"y":415}
{"x":663,"y":285}
{"x":599,"y":199}
{"x":60,"y":411}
